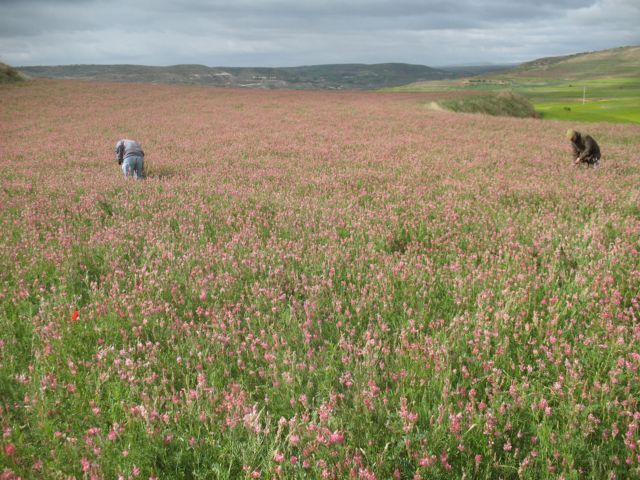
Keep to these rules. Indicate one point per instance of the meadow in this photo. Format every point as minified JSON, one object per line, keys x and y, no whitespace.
{"x":615,"y":99}
{"x":604,"y":100}
{"x":312,"y":285}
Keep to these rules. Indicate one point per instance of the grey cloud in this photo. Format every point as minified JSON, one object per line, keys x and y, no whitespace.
{"x":433,"y":14}
{"x":38,"y":15}
{"x":294,"y":32}
{"x":26,"y":19}
{"x":372,"y":7}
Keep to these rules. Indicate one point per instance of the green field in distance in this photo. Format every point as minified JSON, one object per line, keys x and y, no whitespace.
{"x":600,"y":100}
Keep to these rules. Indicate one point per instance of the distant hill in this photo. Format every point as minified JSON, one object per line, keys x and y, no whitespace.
{"x":620,"y":63}
{"x":344,"y":76}
{"x":616,"y":62}
{"x":475,"y":70}
{"x":9,"y":74}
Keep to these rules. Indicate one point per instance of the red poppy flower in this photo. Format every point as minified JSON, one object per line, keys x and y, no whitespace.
{"x":75,"y":315}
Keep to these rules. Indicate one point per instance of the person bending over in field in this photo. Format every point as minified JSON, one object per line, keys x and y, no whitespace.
{"x":131,"y":157}
{"x":585,"y":149}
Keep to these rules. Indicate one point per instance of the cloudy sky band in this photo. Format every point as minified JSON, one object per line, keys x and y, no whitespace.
{"x":304,"y":32}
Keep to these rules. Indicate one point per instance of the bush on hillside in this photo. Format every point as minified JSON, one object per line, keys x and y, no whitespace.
{"x":503,"y":103}
{"x":9,"y":74}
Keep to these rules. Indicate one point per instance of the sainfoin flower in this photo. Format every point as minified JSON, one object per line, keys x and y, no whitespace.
{"x":331,"y":284}
{"x":336,"y":437}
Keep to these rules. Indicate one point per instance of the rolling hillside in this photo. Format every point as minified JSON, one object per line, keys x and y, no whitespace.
{"x":332,"y":77}
{"x":585,"y":87}
{"x":616,"y":62}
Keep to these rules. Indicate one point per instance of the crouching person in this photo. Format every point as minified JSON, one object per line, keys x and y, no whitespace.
{"x":585,"y":149}
{"x":131,"y":157}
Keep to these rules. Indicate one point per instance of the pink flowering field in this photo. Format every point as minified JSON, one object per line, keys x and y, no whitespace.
{"x":312,"y":285}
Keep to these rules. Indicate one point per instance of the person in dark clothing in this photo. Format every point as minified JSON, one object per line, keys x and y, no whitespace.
{"x":585,"y":149}
{"x":131,"y":157}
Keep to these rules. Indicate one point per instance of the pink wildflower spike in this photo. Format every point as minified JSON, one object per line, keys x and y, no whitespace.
{"x":336,"y":437}
{"x":9,"y":449}
{"x":340,"y":210}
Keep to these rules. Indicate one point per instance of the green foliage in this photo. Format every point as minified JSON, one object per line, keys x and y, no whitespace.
{"x":9,"y":74}
{"x":160,"y":171}
{"x":437,"y":312}
{"x":504,"y":103}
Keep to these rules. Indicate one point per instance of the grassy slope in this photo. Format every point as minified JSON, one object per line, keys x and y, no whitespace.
{"x":504,"y":103}
{"x":616,"y":62}
{"x":555,"y":85}
{"x":611,"y":100}
{"x":9,"y":74}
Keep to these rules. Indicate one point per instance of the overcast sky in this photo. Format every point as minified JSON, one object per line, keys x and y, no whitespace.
{"x":307,"y":32}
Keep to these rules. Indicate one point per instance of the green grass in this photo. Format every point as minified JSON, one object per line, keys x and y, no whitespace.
{"x":615,"y":100}
{"x":605,"y":100}
{"x":613,"y":63}
{"x":503,"y":103}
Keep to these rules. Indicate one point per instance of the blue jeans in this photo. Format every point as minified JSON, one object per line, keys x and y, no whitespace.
{"x":133,"y":166}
